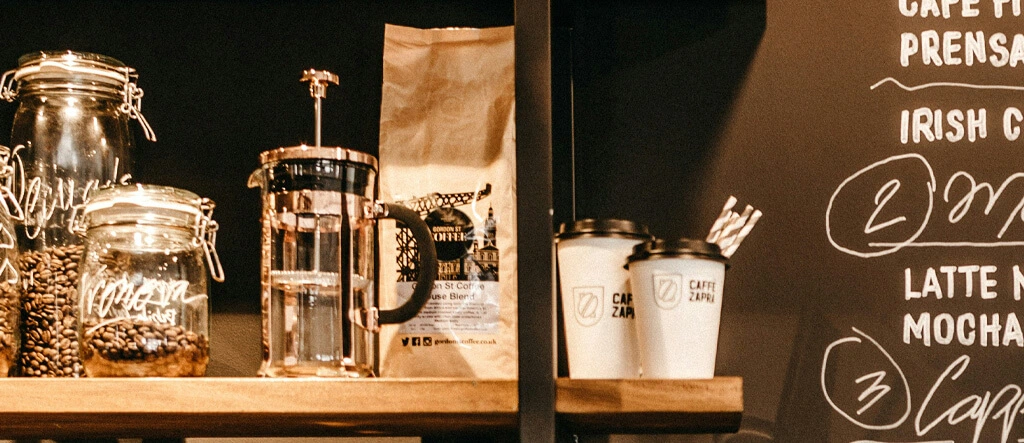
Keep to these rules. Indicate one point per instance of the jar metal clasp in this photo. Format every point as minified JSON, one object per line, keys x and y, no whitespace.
{"x":207,"y":234}
{"x":132,"y":105}
{"x":9,"y":86}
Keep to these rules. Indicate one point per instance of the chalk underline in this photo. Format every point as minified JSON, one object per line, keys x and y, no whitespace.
{"x":944,"y":84}
{"x":939,"y":244}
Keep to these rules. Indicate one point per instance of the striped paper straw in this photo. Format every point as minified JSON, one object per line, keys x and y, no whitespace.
{"x":723,"y":217}
{"x":733,"y":228}
{"x":729,"y":251}
{"x":719,"y":234}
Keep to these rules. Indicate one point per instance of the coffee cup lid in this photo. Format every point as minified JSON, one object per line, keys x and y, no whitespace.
{"x":602,"y":227}
{"x":681,"y":248}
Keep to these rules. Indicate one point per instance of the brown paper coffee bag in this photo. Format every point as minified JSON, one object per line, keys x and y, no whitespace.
{"x":447,"y":150}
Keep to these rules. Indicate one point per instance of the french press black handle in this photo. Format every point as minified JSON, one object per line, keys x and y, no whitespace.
{"x":427,"y":265}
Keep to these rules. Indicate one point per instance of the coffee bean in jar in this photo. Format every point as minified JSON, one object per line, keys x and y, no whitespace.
{"x":49,"y":304}
{"x":9,"y":311}
{"x":132,"y":348}
{"x":143,"y":297}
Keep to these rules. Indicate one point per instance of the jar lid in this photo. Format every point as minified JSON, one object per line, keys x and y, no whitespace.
{"x":139,"y":204}
{"x":304,"y":152}
{"x":61,"y":64}
{"x":602,"y":227}
{"x":77,"y":71}
{"x":144,"y":205}
{"x":681,"y":248}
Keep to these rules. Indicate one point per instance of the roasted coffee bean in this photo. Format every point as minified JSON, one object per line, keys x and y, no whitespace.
{"x":49,"y":311}
{"x":9,"y":311}
{"x":144,"y":348}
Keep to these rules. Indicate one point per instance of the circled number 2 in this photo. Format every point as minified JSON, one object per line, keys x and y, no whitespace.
{"x":892,"y":186}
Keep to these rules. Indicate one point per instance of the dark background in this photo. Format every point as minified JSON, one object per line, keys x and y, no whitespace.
{"x":221,"y":82}
{"x":664,"y":109}
{"x":661,"y":111}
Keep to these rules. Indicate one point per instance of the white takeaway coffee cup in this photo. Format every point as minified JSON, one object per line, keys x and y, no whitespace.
{"x":677,"y":290}
{"x":597,"y":304}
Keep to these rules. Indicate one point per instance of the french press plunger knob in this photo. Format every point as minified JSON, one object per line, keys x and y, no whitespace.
{"x":318,"y":82}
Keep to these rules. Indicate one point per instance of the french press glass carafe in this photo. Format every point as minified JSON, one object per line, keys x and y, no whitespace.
{"x":319,"y":264}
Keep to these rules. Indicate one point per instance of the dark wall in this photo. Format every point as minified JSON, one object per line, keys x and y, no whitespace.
{"x":678,"y":105}
{"x":653,"y":84}
{"x":663,"y":109}
{"x":652,"y":91}
{"x":221,"y":81}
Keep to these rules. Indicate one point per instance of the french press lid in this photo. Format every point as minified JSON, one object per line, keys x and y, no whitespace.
{"x":316,"y":168}
{"x":304,"y":152}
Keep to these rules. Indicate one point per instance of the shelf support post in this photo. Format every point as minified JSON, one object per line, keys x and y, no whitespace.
{"x":533,"y":181}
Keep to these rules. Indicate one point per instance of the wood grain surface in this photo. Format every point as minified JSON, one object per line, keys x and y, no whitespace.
{"x":651,"y":406}
{"x":218,"y":407}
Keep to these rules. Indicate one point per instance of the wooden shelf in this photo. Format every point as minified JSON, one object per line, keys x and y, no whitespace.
{"x":239,"y":407}
{"x":650,"y":406}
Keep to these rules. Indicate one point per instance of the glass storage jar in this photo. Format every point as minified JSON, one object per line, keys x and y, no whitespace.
{"x":10,"y":307}
{"x":143,"y":288}
{"x":70,"y":134}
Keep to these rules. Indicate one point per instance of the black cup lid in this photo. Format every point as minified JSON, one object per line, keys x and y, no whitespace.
{"x":602,"y":227}
{"x":683,"y":247}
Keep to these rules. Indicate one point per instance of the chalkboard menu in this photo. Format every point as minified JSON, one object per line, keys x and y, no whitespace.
{"x":879,"y":299}
{"x":905,"y":126}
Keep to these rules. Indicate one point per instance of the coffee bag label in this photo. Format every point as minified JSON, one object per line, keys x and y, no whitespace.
{"x":466,"y":293}
{"x":455,"y":306}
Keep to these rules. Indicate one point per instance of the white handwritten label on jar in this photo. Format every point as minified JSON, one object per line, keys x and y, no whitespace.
{"x":7,"y":270}
{"x":143,"y":299}
{"x":39,"y":201}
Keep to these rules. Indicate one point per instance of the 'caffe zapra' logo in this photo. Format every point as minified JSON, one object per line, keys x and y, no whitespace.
{"x":589,"y":304}
{"x":668,"y":290}
{"x":150,"y":299}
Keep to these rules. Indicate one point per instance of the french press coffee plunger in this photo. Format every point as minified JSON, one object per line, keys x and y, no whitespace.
{"x":319,"y":264}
